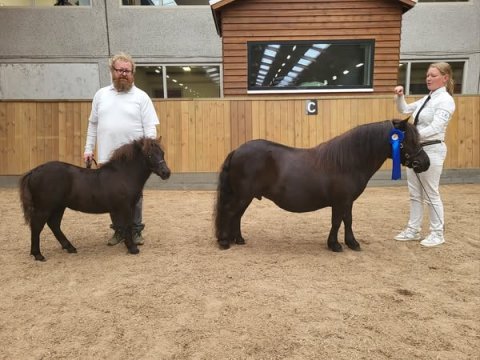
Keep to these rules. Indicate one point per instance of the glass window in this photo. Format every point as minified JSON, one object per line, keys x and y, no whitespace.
{"x":412,"y":76}
{"x":185,"y":81}
{"x":165,"y":2}
{"x":44,"y":3}
{"x":310,"y":66}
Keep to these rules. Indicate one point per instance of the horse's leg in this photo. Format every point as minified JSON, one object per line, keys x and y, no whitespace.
{"x":349,"y":237}
{"x":37,"y":222}
{"x":54,"y":222}
{"x":236,"y":223}
{"x":231,"y":218}
{"x":337,"y":216}
{"x":224,"y":231}
{"x":125,"y":221}
{"x":225,"y":228}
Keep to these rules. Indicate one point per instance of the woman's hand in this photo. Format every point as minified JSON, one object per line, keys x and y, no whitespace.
{"x":398,"y":90}
{"x":88,"y":156}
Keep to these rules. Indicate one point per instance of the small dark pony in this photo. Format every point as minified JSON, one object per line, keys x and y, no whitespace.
{"x":333,"y":174}
{"x":47,"y":190}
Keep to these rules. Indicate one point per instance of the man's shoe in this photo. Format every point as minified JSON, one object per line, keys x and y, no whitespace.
{"x":115,"y":239}
{"x":433,"y":239}
{"x":407,"y":235}
{"x":138,"y":238}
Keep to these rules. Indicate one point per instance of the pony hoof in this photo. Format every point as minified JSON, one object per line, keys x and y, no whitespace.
{"x":72,"y":250}
{"x":40,"y":257}
{"x":224,"y":245}
{"x":336,"y":248}
{"x":355,"y":247}
{"x":240,"y":241}
{"x":133,"y":251}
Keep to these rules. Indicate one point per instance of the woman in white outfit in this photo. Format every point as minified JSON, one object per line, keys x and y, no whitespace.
{"x":432,"y":114}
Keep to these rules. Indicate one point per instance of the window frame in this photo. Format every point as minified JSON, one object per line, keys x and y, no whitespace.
{"x":164,"y":72}
{"x":323,"y":89}
{"x":408,"y":72}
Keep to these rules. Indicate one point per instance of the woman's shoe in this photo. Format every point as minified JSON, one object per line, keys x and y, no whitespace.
{"x":434,"y":239}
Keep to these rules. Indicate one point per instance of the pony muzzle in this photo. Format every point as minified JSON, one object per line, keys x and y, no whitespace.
{"x":164,"y":172}
{"x":421,"y":162}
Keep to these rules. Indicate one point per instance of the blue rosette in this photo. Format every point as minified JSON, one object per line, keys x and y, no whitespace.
{"x":396,"y":138}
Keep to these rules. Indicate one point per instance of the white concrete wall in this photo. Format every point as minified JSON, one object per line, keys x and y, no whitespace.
{"x":449,"y":30}
{"x":48,"y":81}
{"x":77,"y":41}
{"x":44,"y":52}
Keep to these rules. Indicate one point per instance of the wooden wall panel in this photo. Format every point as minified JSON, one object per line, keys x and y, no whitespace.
{"x":264,"y":20}
{"x":198,"y":134}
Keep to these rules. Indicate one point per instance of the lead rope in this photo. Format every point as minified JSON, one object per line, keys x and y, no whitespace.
{"x":433,"y":207}
{"x":88,"y":163}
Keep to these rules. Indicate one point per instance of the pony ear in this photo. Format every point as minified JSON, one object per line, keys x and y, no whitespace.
{"x":400,"y":124}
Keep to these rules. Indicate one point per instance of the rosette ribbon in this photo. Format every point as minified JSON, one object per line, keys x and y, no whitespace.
{"x":396,"y":138}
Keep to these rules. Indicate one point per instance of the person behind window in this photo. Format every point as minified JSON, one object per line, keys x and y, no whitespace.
{"x":121,"y":113}
{"x":431,"y":116}
{"x":63,"y":3}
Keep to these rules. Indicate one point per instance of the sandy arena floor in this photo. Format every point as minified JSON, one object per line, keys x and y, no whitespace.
{"x":283,"y":295}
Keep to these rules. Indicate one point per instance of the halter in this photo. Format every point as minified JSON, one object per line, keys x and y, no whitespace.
{"x":396,"y":140}
{"x":407,"y":155}
{"x":151,"y":165}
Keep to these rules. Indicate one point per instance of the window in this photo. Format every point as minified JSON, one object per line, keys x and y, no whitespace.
{"x":310,"y":66}
{"x":185,"y":81}
{"x":44,"y":3}
{"x":165,"y":2}
{"x":411,"y":76}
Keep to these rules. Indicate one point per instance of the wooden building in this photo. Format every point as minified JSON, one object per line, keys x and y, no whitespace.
{"x":242,"y":23}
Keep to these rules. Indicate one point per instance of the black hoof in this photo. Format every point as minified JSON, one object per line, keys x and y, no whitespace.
{"x":71,"y":250}
{"x":134,"y":251}
{"x":224,"y":245}
{"x":39,"y":257}
{"x":240,"y":241}
{"x":336,"y":248}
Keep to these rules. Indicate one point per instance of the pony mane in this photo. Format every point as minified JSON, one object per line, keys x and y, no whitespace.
{"x":411,"y":132}
{"x":127,"y":151}
{"x":348,"y":149}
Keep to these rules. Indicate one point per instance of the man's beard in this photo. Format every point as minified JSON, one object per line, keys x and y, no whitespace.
{"x":122,"y":85}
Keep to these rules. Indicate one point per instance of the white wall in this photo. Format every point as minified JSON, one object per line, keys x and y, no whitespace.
{"x":62,"y":52}
{"x":48,"y":81}
{"x":450,"y":30}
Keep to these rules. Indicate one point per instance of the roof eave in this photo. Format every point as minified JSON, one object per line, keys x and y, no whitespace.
{"x":216,"y":6}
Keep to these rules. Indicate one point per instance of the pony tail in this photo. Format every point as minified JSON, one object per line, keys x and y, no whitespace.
{"x":224,"y":194}
{"x":26,"y":197}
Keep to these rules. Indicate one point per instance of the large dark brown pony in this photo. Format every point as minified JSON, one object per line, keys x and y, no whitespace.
{"x":333,"y":174}
{"x":47,"y":190}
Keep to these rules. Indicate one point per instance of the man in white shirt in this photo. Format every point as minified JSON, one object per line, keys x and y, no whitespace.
{"x":121,"y":113}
